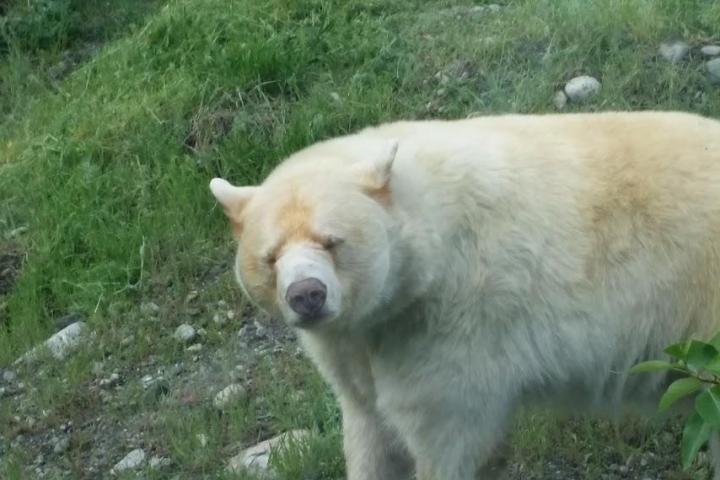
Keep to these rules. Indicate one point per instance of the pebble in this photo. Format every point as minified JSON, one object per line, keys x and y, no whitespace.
{"x":560,"y":100}
{"x":710,"y":50}
{"x":196,"y":347}
{"x":185,"y":333}
{"x":61,"y":445}
{"x":231,"y":394}
{"x":582,"y":88}
{"x":131,"y":461}
{"x":256,"y":458}
{"x":713,"y":67}
{"x":674,"y":52}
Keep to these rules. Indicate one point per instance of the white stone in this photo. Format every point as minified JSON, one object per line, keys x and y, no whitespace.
{"x":560,"y":100}
{"x":60,"y":344}
{"x":713,"y":68}
{"x":132,"y":460}
{"x":582,"y":88}
{"x":185,"y":333}
{"x":195,"y":347}
{"x":231,"y":394}
{"x":710,"y":50}
{"x":256,"y":458}
{"x":674,"y":52}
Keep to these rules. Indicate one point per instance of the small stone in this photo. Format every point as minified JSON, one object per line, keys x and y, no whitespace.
{"x":713,"y":67}
{"x":582,"y":88}
{"x":560,"y":100}
{"x":335,"y":96}
{"x":674,"y":52}
{"x":201,"y":332}
{"x":710,"y":50}
{"x":61,"y":445}
{"x":219,"y":319}
{"x":157,"y":462}
{"x":233,"y":393}
{"x":9,"y":376}
{"x":185,"y":333}
{"x":196,"y":347}
{"x":131,"y":461}
{"x":202,"y":439}
{"x":111,"y":381}
{"x":149,"y":309}
{"x":147,"y":380}
{"x":260,"y":329}
{"x":256,"y":458}
{"x":192,"y":296}
{"x":230,"y":314}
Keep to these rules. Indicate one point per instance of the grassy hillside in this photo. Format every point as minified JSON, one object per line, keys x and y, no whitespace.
{"x":113,"y":118}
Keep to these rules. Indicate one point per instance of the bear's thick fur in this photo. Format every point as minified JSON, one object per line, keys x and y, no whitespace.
{"x":443,"y":273}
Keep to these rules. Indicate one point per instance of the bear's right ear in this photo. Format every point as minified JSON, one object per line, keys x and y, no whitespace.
{"x":233,"y":200}
{"x":375,"y":174}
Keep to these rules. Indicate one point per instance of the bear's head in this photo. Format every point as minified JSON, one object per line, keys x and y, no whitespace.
{"x":314,"y":242}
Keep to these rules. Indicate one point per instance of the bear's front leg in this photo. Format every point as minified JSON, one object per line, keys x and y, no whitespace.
{"x":372,"y":450}
{"x":450,"y":442}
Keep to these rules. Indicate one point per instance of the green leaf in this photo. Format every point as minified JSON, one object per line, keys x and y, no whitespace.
{"x":678,"y":350}
{"x":677,"y":390}
{"x":651,"y":366}
{"x":700,"y":354}
{"x":695,"y":434}
{"x":714,"y":365}
{"x":707,"y":404}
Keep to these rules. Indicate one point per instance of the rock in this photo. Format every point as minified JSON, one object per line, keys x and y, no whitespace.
{"x":185,"y":333}
{"x":674,"y":52}
{"x":202,"y":439}
{"x":560,"y":100}
{"x":710,"y":50}
{"x":132,"y":460}
{"x":149,"y":309}
{"x":219,"y":319}
{"x":256,"y":458}
{"x":582,"y":88}
{"x":111,"y":381}
{"x":231,"y":394}
{"x":61,"y":445}
{"x":156,"y":462}
{"x":196,"y":347}
{"x":60,"y":344}
{"x":9,"y":376}
{"x":713,"y":67}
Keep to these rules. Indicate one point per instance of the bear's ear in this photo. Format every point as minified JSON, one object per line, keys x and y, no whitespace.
{"x":233,"y":200}
{"x":375,"y":174}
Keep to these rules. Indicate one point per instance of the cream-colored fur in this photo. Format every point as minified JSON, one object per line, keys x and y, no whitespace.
{"x":485,"y":264}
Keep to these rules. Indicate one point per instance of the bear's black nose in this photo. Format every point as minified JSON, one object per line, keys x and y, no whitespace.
{"x":306,"y":297}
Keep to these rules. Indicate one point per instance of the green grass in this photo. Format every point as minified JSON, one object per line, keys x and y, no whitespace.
{"x":113,"y":122}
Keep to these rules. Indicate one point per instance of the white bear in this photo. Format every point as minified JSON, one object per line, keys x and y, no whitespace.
{"x":442,"y":274}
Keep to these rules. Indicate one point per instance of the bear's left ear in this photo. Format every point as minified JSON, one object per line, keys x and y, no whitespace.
{"x":375,"y":174}
{"x":233,"y":200}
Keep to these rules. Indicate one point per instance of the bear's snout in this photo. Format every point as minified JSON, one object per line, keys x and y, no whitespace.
{"x":307,"y":297}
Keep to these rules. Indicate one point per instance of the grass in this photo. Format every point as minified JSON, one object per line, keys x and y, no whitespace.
{"x":112,"y":123}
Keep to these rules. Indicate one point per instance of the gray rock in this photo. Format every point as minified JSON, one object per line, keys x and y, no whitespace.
{"x":255,"y":459}
{"x":674,"y":52}
{"x":233,"y":393}
{"x":61,"y":444}
{"x":582,"y":88}
{"x":132,"y":461}
{"x":560,"y":100}
{"x":9,"y":376}
{"x":185,"y":333}
{"x":149,"y":309}
{"x":156,"y":462}
{"x":710,"y":50}
{"x":713,"y":68}
{"x":60,"y":344}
